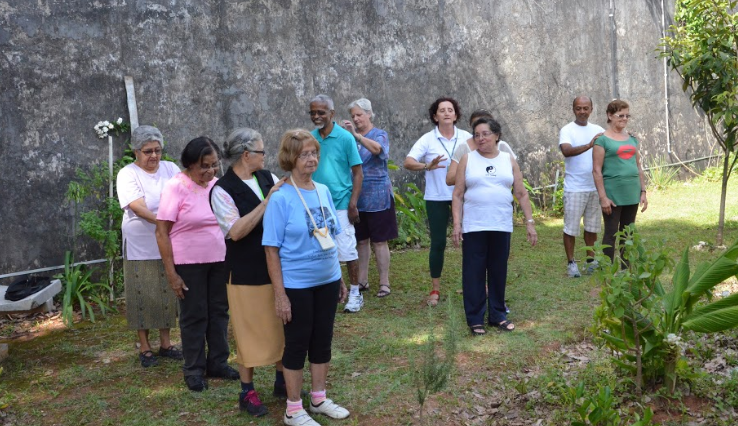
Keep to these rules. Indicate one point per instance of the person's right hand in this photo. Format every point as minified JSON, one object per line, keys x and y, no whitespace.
{"x":177,"y":285}
{"x":606,"y":205}
{"x":283,"y":307}
{"x":434,"y":164}
{"x":457,"y":235}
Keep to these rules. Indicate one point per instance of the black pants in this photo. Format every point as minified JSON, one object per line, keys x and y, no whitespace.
{"x":484,"y":274}
{"x":203,"y":317}
{"x":311,"y":330}
{"x":619,"y":218}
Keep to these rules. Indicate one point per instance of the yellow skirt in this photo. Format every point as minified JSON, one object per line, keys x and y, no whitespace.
{"x":259,"y":332}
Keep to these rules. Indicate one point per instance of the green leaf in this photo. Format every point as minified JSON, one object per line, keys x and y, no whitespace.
{"x":716,"y":272}
{"x":712,"y":322}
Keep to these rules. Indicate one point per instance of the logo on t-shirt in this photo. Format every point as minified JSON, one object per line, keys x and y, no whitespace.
{"x":491,"y":171}
{"x":626,"y":152}
{"x":322,"y":220}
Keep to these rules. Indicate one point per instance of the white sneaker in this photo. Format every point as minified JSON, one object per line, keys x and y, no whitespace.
{"x":355,"y":302}
{"x":592,"y":267}
{"x":573,"y":270}
{"x":300,"y":418}
{"x":330,"y":409}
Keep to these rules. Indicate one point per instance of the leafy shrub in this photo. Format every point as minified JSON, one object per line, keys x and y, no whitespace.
{"x":412,"y":219}
{"x":660,"y":175}
{"x":81,"y":292}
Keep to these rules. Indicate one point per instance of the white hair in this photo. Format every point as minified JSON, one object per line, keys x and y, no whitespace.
{"x":364,"y":104}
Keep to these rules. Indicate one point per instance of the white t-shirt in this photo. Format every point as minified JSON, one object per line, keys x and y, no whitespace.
{"x":578,"y":176}
{"x":133,"y":182}
{"x":225,"y":208}
{"x":430,"y":146}
{"x":464,"y":149}
{"x":488,"y":200}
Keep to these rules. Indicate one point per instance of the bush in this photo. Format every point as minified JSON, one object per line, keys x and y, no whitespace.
{"x":412,"y":219}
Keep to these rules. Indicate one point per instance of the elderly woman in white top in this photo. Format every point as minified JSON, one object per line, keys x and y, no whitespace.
{"x":149,"y":302}
{"x":483,"y":218}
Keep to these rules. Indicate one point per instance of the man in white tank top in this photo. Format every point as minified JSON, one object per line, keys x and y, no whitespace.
{"x":580,"y":194}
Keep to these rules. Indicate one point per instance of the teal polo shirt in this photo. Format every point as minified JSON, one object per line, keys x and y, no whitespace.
{"x":338,"y":153}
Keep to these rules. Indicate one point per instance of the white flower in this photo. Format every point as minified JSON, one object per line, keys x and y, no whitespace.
{"x":106,"y":123}
{"x":111,"y":126}
{"x":120,"y":120}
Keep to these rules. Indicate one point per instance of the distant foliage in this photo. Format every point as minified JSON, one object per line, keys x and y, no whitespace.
{"x":412,"y":219}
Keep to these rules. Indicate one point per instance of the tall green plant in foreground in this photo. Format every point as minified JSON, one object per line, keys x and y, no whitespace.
{"x":642,"y":323}
{"x":433,"y":372}
{"x":703,"y":49}
{"x":412,"y":218}
{"x":80,"y":292}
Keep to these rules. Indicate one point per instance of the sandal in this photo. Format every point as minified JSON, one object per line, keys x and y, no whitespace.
{"x":433,"y":298}
{"x":477,"y":330}
{"x":384,"y":290}
{"x":364,"y":286}
{"x":505,"y":326}
{"x":147,"y":359}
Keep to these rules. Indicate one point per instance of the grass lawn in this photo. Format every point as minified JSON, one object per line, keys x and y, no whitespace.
{"x":90,"y":375}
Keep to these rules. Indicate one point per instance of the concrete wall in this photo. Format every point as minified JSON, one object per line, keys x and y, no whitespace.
{"x":206,"y":66}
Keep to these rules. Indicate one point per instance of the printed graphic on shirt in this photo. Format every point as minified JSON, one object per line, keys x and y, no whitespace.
{"x":491,"y":171}
{"x":320,"y":221}
{"x":626,"y":152}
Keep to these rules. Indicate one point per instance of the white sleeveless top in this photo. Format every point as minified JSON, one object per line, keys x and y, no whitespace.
{"x":488,"y":199}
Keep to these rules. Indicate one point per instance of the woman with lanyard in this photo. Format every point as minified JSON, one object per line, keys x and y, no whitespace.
{"x":432,"y":154}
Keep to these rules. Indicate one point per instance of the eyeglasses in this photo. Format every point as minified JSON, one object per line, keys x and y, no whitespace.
{"x":483,"y":135}
{"x":150,"y":152}
{"x":306,"y":155}
{"x":205,"y":167}
{"x":621,"y":116}
{"x":258,"y":152}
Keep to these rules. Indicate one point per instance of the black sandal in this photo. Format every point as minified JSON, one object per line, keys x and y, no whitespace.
{"x":477,"y":330}
{"x":505,"y":326}
{"x":384,"y":290}
{"x":147,"y":359}
{"x":364,"y":286}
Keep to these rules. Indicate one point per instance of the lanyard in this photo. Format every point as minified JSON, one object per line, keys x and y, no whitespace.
{"x":258,"y":187}
{"x":455,"y":139}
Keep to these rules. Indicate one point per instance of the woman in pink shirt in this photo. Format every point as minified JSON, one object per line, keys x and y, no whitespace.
{"x":193,"y":251}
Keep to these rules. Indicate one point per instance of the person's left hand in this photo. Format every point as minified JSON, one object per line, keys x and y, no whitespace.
{"x":342,"y":292}
{"x":353,"y":214}
{"x":644,"y":202}
{"x":530,"y":229}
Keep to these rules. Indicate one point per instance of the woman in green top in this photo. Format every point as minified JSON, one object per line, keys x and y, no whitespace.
{"x":618,"y":176}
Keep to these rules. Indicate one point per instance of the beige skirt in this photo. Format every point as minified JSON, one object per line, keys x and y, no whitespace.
{"x":259,"y":332}
{"x":150,"y":303}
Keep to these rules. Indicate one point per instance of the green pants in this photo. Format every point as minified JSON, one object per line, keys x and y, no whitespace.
{"x":439,"y":213}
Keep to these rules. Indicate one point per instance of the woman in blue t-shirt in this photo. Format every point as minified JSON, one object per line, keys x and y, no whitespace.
{"x":300,"y":224}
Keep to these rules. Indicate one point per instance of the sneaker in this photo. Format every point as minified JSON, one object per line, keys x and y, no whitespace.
{"x":147,"y":359}
{"x":196,"y":383}
{"x":300,"y":418}
{"x":171,"y":353}
{"x":250,"y":402}
{"x":573,"y":270}
{"x":354,"y":304}
{"x":330,"y":409}
{"x":227,"y":372}
{"x":592,"y":267}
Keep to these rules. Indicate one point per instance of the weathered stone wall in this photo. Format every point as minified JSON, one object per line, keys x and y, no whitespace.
{"x":206,"y":66}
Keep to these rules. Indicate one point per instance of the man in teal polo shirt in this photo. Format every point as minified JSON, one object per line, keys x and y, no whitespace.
{"x":339,"y":169}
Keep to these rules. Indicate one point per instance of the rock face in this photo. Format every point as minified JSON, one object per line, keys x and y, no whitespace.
{"x":207,"y":66}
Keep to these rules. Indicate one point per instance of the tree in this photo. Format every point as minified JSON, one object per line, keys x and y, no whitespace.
{"x":703,"y":50}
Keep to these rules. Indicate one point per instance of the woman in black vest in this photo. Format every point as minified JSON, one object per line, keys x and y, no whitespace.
{"x":239,"y":200}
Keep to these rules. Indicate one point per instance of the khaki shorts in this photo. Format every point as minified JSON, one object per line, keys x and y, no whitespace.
{"x":578,"y":205}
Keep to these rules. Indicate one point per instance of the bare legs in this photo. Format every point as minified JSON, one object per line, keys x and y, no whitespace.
{"x":569,"y":241}
{"x":164,"y":339}
{"x":382,"y":255}
{"x":293,"y":379}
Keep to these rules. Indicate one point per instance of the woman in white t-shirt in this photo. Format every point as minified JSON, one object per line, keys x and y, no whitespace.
{"x":432,"y":154}
{"x":483,"y":219}
{"x":149,"y":302}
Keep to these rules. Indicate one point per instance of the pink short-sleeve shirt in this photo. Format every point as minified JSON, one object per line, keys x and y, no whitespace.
{"x":195,"y":235}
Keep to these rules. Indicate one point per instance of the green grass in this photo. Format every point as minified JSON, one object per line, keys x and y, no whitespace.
{"x":90,"y":375}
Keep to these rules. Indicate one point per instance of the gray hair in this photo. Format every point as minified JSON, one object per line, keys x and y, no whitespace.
{"x":240,"y":140}
{"x":145,"y":134}
{"x":323,"y":99}
{"x":364,"y":104}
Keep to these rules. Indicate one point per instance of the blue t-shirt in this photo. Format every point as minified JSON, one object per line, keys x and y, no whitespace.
{"x":287,"y":226}
{"x":338,"y":154}
{"x":376,"y":189}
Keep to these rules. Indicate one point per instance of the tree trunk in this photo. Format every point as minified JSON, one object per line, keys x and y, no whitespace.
{"x":723,"y":193}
